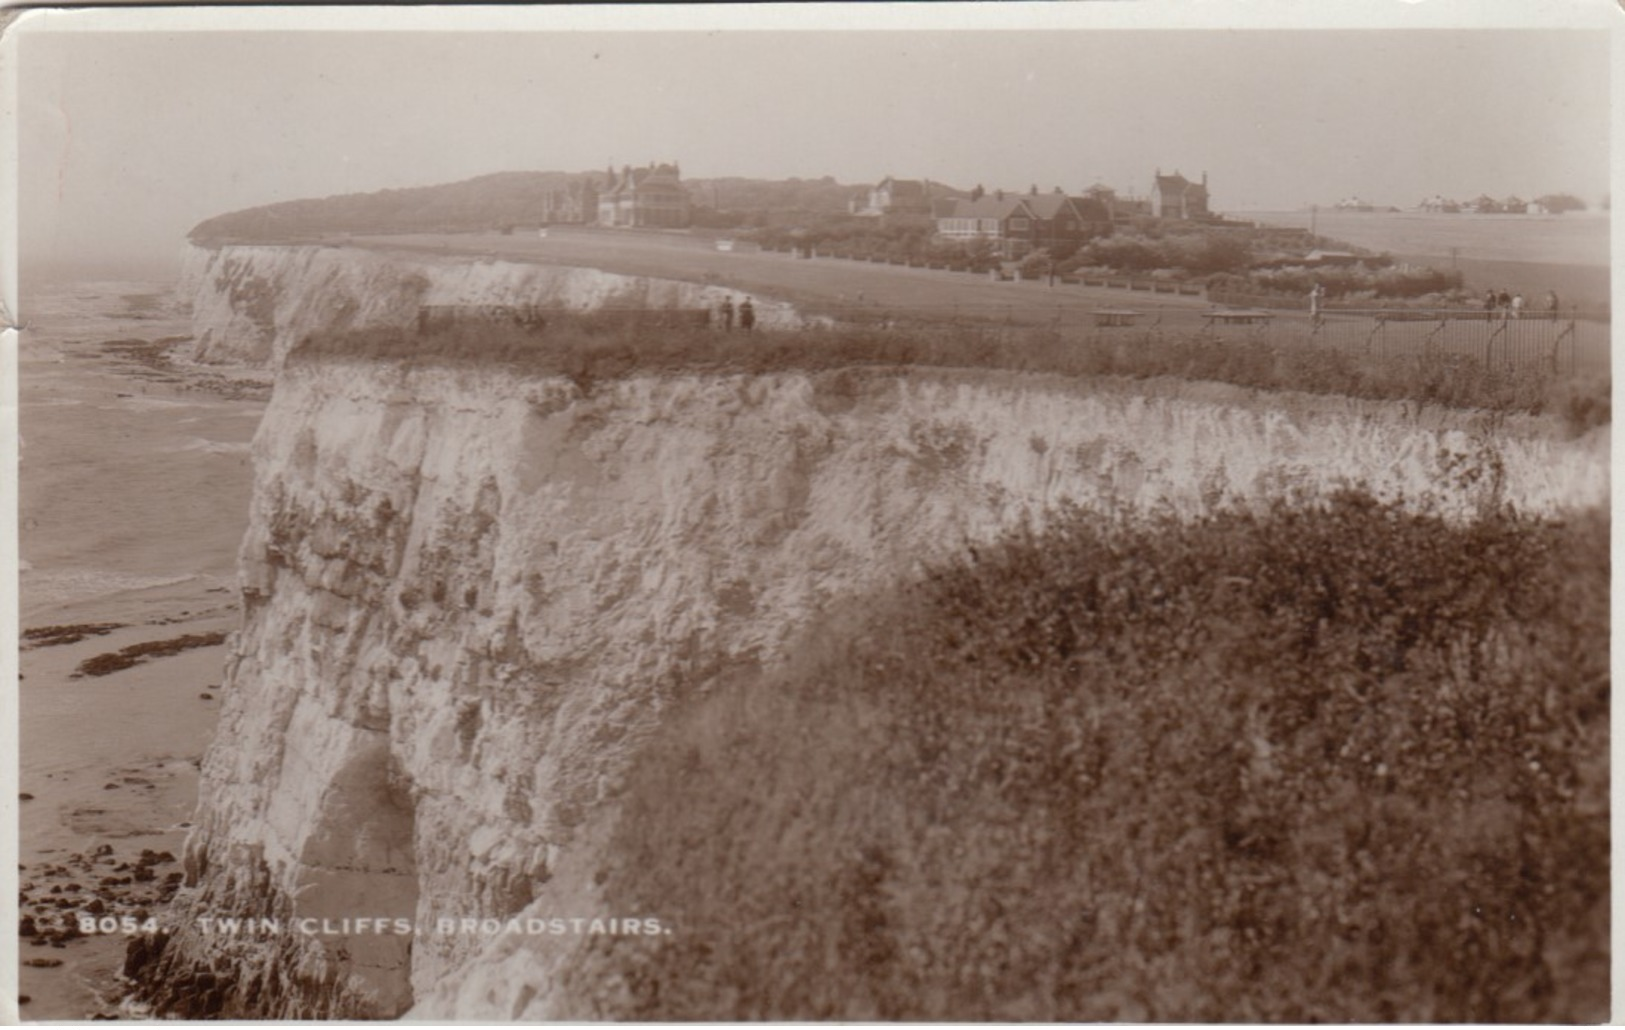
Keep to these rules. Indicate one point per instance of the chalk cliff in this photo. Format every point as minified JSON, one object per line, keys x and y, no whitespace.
{"x":252,"y":304}
{"x":469,"y":594}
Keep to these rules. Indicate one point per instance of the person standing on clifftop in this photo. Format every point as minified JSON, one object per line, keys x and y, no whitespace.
{"x":727,"y":313}
{"x":747,"y":315}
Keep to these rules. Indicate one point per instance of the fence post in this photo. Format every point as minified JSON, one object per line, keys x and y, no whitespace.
{"x":1489,"y":344}
{"x":1427,"y":342}
{"x":1573,"y":348}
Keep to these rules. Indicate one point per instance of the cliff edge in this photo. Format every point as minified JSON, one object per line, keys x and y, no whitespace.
{"x":471,"y":593}
{"x":253,"y":304}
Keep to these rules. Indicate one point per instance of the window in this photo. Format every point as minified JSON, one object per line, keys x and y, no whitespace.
{"x":1020,"y":224}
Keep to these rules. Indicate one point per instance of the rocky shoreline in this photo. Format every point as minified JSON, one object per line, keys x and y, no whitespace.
{"x":90,"y":895}
{"x":133,"y":487}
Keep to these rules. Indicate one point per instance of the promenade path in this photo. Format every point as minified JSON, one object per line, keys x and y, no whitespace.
{"x":835,"y":286}
{"x":867,"y":291}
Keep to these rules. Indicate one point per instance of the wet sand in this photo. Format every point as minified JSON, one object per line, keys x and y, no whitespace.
{"x":134,"y":493}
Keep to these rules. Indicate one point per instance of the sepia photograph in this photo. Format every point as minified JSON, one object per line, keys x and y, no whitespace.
{"x":999,"y":513}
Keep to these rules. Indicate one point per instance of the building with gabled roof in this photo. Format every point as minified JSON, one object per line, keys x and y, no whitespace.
{"x":651,"y":197}
{"x":1017,"y":224}
{"x":893,"y":197}
{"x":1174,"y":196}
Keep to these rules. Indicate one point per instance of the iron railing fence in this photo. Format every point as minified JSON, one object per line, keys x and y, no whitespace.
{"x":1545,"y":340}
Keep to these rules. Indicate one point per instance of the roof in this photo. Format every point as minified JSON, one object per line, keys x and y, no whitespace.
{"x":911,"y":187}
{"x":1048,"y":205}
{"x":987,"y":206}
{"x":1176,"y":182}
{"x":651,"y":176}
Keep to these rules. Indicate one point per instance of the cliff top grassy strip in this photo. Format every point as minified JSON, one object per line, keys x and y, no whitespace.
{"x":588,"y":353}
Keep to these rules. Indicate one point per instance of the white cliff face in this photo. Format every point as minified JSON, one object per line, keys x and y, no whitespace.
{"x":469,"y":595}
{"x":252,"y":304}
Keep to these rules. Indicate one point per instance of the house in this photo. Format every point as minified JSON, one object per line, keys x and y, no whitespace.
{"x":893,"y":197}
{"x":651,"y":197}
{"x":1018,"y":224}
{"x":1174,"y":196}
{"x":1438,"y":204}
{"x":575,"y":204}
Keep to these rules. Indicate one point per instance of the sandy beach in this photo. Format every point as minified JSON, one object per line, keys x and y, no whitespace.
{"x":135,"y":480}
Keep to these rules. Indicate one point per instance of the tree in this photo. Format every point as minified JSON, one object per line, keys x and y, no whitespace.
{"x":981,"y":254}
{"x":1557,"y":203}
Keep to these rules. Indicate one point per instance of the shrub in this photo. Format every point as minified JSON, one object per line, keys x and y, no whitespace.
{"x":1123,"y":253}
{"x":1339,"y":763}
{"x":1350,"y":281}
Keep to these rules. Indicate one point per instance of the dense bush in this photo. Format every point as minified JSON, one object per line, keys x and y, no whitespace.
{"x":895,"y":237}
{"x":1124,"y":253}
{"x":1384,"y":282}
{"x":1255,"y":261}
{"x":1191,"y":253}
{"x":1329,"y":763}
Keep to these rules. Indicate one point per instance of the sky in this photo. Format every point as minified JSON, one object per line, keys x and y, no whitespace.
{"x":129,"y":138}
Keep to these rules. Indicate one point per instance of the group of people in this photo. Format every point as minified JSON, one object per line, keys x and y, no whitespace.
{"x":1499,"y":302}
{"x":747,"y":314}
